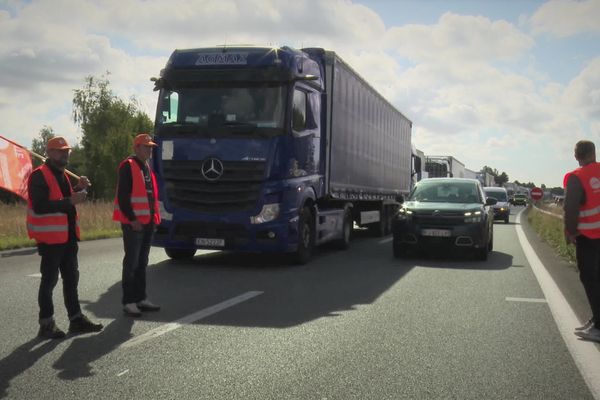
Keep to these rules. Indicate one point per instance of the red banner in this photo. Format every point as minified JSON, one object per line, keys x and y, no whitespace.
{"x":15,"y":167}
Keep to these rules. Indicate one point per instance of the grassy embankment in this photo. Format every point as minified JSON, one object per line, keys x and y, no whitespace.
{"x":550,"y":229}
{"x":95,"y":221}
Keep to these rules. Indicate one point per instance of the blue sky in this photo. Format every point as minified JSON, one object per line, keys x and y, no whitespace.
{"x":509,"y":84}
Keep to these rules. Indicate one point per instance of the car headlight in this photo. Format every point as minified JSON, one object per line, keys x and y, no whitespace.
{"x":404,"y":213}
{"x":472,"y":217}
{"x":268,"y":213}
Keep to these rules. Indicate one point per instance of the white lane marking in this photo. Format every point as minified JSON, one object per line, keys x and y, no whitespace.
{"x":584,"y":353}
{"x":386,"y":240}
{"x":526,"y":300}
{"x":123,"y":373}
{"x":38,"y":275}
{"x":188,"y":319}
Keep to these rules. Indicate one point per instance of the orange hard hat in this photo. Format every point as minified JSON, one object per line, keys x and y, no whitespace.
{"x":57,"y":143}
{"x":143,"y":139}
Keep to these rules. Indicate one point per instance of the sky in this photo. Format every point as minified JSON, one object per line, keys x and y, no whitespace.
{"x":511,"y":84}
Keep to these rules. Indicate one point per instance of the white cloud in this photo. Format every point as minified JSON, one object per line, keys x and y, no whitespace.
{"x":459,"y":38}
{"x":564,"y":18}
{"x":583,"y":92}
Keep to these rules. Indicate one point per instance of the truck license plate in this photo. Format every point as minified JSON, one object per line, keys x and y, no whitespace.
{"x":210,"y":242}
{"x":436,"y":232}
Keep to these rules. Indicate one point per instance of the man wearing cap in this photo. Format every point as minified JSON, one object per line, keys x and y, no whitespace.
{"x":136,"y":208}
{"x":52,"y":221}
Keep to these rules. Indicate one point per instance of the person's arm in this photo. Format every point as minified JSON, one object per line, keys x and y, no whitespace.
{"x":573,"y":199}
{"x":39,"y":192}
{"x":124,"y":189}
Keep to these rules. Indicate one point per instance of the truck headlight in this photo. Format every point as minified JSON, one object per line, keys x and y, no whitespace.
{"x":164,"y":214}
{"x":268,"y":213}
{"x":472,"y":217}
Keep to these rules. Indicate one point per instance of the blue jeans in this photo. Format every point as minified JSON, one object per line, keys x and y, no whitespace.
{"x":59,"y":258}
{"x":137,"y":247}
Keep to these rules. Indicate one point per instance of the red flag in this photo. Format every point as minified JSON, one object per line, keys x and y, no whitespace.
{"x":15,"y":167}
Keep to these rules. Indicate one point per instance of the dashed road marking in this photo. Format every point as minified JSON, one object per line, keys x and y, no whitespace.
{"x":37,"y":275}
{"x":526,"y":300}
{"x":123,"y":372}
{"x":386,"y":240}
{"x":189,"y":319}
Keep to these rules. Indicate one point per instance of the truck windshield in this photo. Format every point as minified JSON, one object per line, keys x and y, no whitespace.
{"x":241,"y":108}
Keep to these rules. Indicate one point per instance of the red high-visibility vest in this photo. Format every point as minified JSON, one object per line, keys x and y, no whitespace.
{"x":589,"y":213}
{"x":139,"y":197}
{"x":50,"y":228}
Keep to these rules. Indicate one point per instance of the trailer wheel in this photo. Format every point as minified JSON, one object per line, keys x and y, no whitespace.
{"x":180,"y":254}
{"x":347,"y":227}
{"x":306,"y":237}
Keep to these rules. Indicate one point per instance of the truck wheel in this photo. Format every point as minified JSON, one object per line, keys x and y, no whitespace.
{"x":347,"y":227}
{"x":306,"y":237}
{"x":180,"y":254}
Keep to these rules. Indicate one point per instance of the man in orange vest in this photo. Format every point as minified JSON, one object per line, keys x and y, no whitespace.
{"x":136,"y":208}
{"x":52,"y":222}
{"x":582,"y":228}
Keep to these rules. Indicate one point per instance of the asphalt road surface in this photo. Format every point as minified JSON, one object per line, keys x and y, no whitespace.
{"x":355,"y":324}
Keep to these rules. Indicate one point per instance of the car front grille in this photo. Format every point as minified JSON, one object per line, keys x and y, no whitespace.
{"x":439,"y":219}
{"x":237,"y":189}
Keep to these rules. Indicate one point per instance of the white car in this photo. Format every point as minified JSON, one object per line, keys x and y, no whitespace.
{"x":502,"y":206}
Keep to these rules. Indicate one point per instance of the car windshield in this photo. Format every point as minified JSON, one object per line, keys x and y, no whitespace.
{"x":253,"y":107}
{"x":445,"y":192}
{"x":497,"y":194}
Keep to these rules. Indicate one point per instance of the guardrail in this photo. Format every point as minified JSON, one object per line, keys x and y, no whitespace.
{"x":547,"y":212}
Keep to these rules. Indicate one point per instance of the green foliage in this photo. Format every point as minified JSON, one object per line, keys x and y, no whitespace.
{"x":501,"y":179}
{"x":551,"y":231}
{"x":38,"y":145}
{"x":109,"y":125}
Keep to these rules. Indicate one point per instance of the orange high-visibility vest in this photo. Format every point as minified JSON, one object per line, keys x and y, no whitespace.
{"x":139,"y":197}
{"x":589,"y":213}
{"x":50,"y":228}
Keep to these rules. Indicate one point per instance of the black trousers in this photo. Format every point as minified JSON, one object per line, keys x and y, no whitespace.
{"x":137,"y":247}
{"x":59,"y":258}
{"x":588,"y":262}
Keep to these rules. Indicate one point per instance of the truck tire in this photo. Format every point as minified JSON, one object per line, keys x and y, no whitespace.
{"x":347,"y":227}
{"x":180,"y":254}
{"x":306,"y":237}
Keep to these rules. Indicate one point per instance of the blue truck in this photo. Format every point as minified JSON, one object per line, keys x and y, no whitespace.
{"x":267,"y":149}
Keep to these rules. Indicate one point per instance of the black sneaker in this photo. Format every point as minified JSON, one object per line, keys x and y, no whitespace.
{"x":83,"y":325}
{"x":50,"y":331}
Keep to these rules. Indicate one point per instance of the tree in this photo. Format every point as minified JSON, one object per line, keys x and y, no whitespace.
{"x":38,"y":145}
{"x":501,"y":179}
{"x":108,"y":124}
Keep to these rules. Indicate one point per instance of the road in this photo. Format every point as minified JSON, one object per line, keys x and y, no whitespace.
{"x":357,"y":324}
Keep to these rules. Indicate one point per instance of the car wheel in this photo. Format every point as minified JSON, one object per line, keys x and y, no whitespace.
{"x":180,"y":254}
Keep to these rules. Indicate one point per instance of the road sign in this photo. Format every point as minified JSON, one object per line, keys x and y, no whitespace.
{"x":537,"y":193}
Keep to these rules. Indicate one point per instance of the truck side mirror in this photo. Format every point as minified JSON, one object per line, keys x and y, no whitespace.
{"x":400,"y":199}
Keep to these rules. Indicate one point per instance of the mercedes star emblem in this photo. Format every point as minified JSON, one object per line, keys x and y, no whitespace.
{"x":212,"y":169}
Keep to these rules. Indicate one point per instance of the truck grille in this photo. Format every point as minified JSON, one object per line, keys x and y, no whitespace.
{"x":236,"y":190}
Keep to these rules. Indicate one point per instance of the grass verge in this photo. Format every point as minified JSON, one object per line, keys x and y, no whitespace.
{"x":95,"y":221}
{"x":550,"y":229}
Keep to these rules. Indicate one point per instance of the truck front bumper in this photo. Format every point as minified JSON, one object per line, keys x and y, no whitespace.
{"x":278,"y":236}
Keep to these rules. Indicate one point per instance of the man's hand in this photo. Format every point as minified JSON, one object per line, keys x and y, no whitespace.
{"x":136,"y":225}
{"x":83,"y":183}
{"x":78,"y":197}
{"x":570,"y":238}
